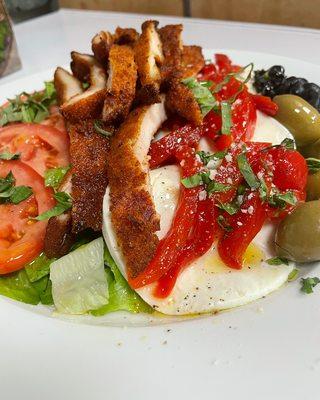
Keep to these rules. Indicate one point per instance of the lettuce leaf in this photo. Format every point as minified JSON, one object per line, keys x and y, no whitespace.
{"x":121,"y":296}
{"x":38,"y":268}
{"x":18,"y":286}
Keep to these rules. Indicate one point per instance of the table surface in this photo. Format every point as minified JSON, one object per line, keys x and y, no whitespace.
{"x":46,"y":41}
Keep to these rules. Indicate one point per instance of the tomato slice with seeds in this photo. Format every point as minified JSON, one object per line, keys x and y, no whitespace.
{"x":21,"y":238}
{"x":41,"y":146}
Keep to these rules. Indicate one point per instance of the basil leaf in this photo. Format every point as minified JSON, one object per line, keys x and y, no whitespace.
{"x":263,"y":190}
{"x":277,"y":261}
{"x":313,"y":165}
{"x":6,"y":155}
{"x":206,"y":156}
{"x":280,"y":200}
{"x":98,"y":127}
{"x":7,"y":182}
{"x":230,"y":208}
{"x":217,"y":187}
{"x":293,"y":275}
{"x":226,"y":118}
{"x":64,"y":203}
{"x":192,"y":181}
{"x":308,"y":284}
{"x":20,"y":193}
{"x":246,"y":171}
{"x":223,"y":224}
{"x":54,"y":176}
{"x":202,"y":94}
{"x":288,"y":144}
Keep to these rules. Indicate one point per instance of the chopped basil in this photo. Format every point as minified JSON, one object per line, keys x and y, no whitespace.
{"x":6,"y":155}
{"x":223,"y":223}
{"x":226,"y":118}
{"x":202,"y":94}
{"x":27,"y":107}
{"x":277,"y":261}
{"x":313,"y":165}
{"x":287,"y":143}
{"x":54,"y":176}
{"x":293,"y":275}
{"x":217,"y":187}
{"x":263,"y":190}
{"x":98,"y":127}
{"x":206,"y":156}
{"x":193,"y":181}
{"x":241,"y":189}
{"x":307,"y":284}
{"x":280,"y":200}
{"x":64,"y":203}
{"x":226,"y":80}
{"x":246,"y":171}
{"x":13,"y":194}
{"x":230,"y":208}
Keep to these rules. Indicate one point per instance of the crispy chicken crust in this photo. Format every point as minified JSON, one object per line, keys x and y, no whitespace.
{"x":125,"y":36}
{"x":170,"y":36}
{"x":101,"y":45}
{"x":89,"y":103}
{"x":133,"y":213}
{"x":192,"y":61}
{"x":148,"y":55}
{"x":121,"y":84}
{"x":180,"y":100}
{"x":88,"y":151}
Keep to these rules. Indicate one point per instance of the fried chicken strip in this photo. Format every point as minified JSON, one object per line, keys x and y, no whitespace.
{"x":101,"y":45}
{"x":89,"y":103}
{"x":133,"y":213}
{"x":148,"y":57}
{"x":170,"y":36}
{"x":125,"y":36}
{"x":66,"y":85}
{"x":121,"y":84}
{"x":192,"y":61}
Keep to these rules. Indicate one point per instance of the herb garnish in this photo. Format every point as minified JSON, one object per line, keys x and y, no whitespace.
{"x":13,"y":194}
{"x":230,"y":208}
{"x":313,"y":165}
{"x":202,"y":94}
{"x":98,"y":127}
{"x":287,"y":143}
{"x":6,"y":155}
{"x":246,"y":171}
{"x":223,"y":224}
{"x":226,"y":118}
{"x":308,"y":284}
{"x":202,"y":178}
{"x":29,"y":107}
{"x":277,"y":261}
{"x":226,"y":80}
{"x":206,"y":156}
{"x":54,"y":176}
{"x":280,"y":200}
{"x":64,"y":203}
{"x":217,"y":187}
{"x":293,"y":275}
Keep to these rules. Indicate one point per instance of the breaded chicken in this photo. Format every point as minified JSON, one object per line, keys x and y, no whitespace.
{"x":148,"y":57}
{"x":192,"y":61}
{"x":88,"y":151}
{"x":121,"y":84}
{"x":133,"y":213}
{"x":101,"y":45}
{"x":180,"y":100}
{"x":126,"y":36}
{"x":172,"y":47}
{"x":89,"y":103}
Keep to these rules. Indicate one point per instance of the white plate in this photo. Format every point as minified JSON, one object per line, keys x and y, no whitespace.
{"x":266,"y":350}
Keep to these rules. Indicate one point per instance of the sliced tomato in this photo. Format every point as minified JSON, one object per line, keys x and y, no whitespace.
{"x":21,"y":238}
{"x":41,"y":146}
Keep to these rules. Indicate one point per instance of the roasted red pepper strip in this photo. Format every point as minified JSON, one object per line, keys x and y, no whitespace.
{"x":245,"y":226}
{"x":265,"y":104}
{"x":203,"y":235}
{"x":168,"y":248}
{"x":164,"y":149}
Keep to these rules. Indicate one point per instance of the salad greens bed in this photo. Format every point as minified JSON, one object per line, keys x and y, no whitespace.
{"x":33,"y":285}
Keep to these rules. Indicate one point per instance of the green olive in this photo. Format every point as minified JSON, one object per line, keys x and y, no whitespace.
{"x":298,"y":235}
{"x":299,"y":117}
{"x":313,"y":186}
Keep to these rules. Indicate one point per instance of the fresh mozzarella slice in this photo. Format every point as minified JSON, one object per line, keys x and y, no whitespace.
{"x":207,"y":284}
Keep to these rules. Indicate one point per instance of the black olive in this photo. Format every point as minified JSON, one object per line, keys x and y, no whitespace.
{"x":268,"y":90}
{"x":298,"y":87}
{"x":276,"y":74}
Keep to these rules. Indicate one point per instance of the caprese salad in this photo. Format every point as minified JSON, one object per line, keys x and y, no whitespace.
{"x":147,"y":179}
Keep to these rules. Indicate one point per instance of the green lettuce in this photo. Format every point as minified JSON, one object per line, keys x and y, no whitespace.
{"x":121,"y":296}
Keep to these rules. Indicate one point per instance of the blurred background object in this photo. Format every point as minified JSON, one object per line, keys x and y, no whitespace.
{"x":9,"y":58}
{"x":304,"y":13}
{"x":21,"y":10}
